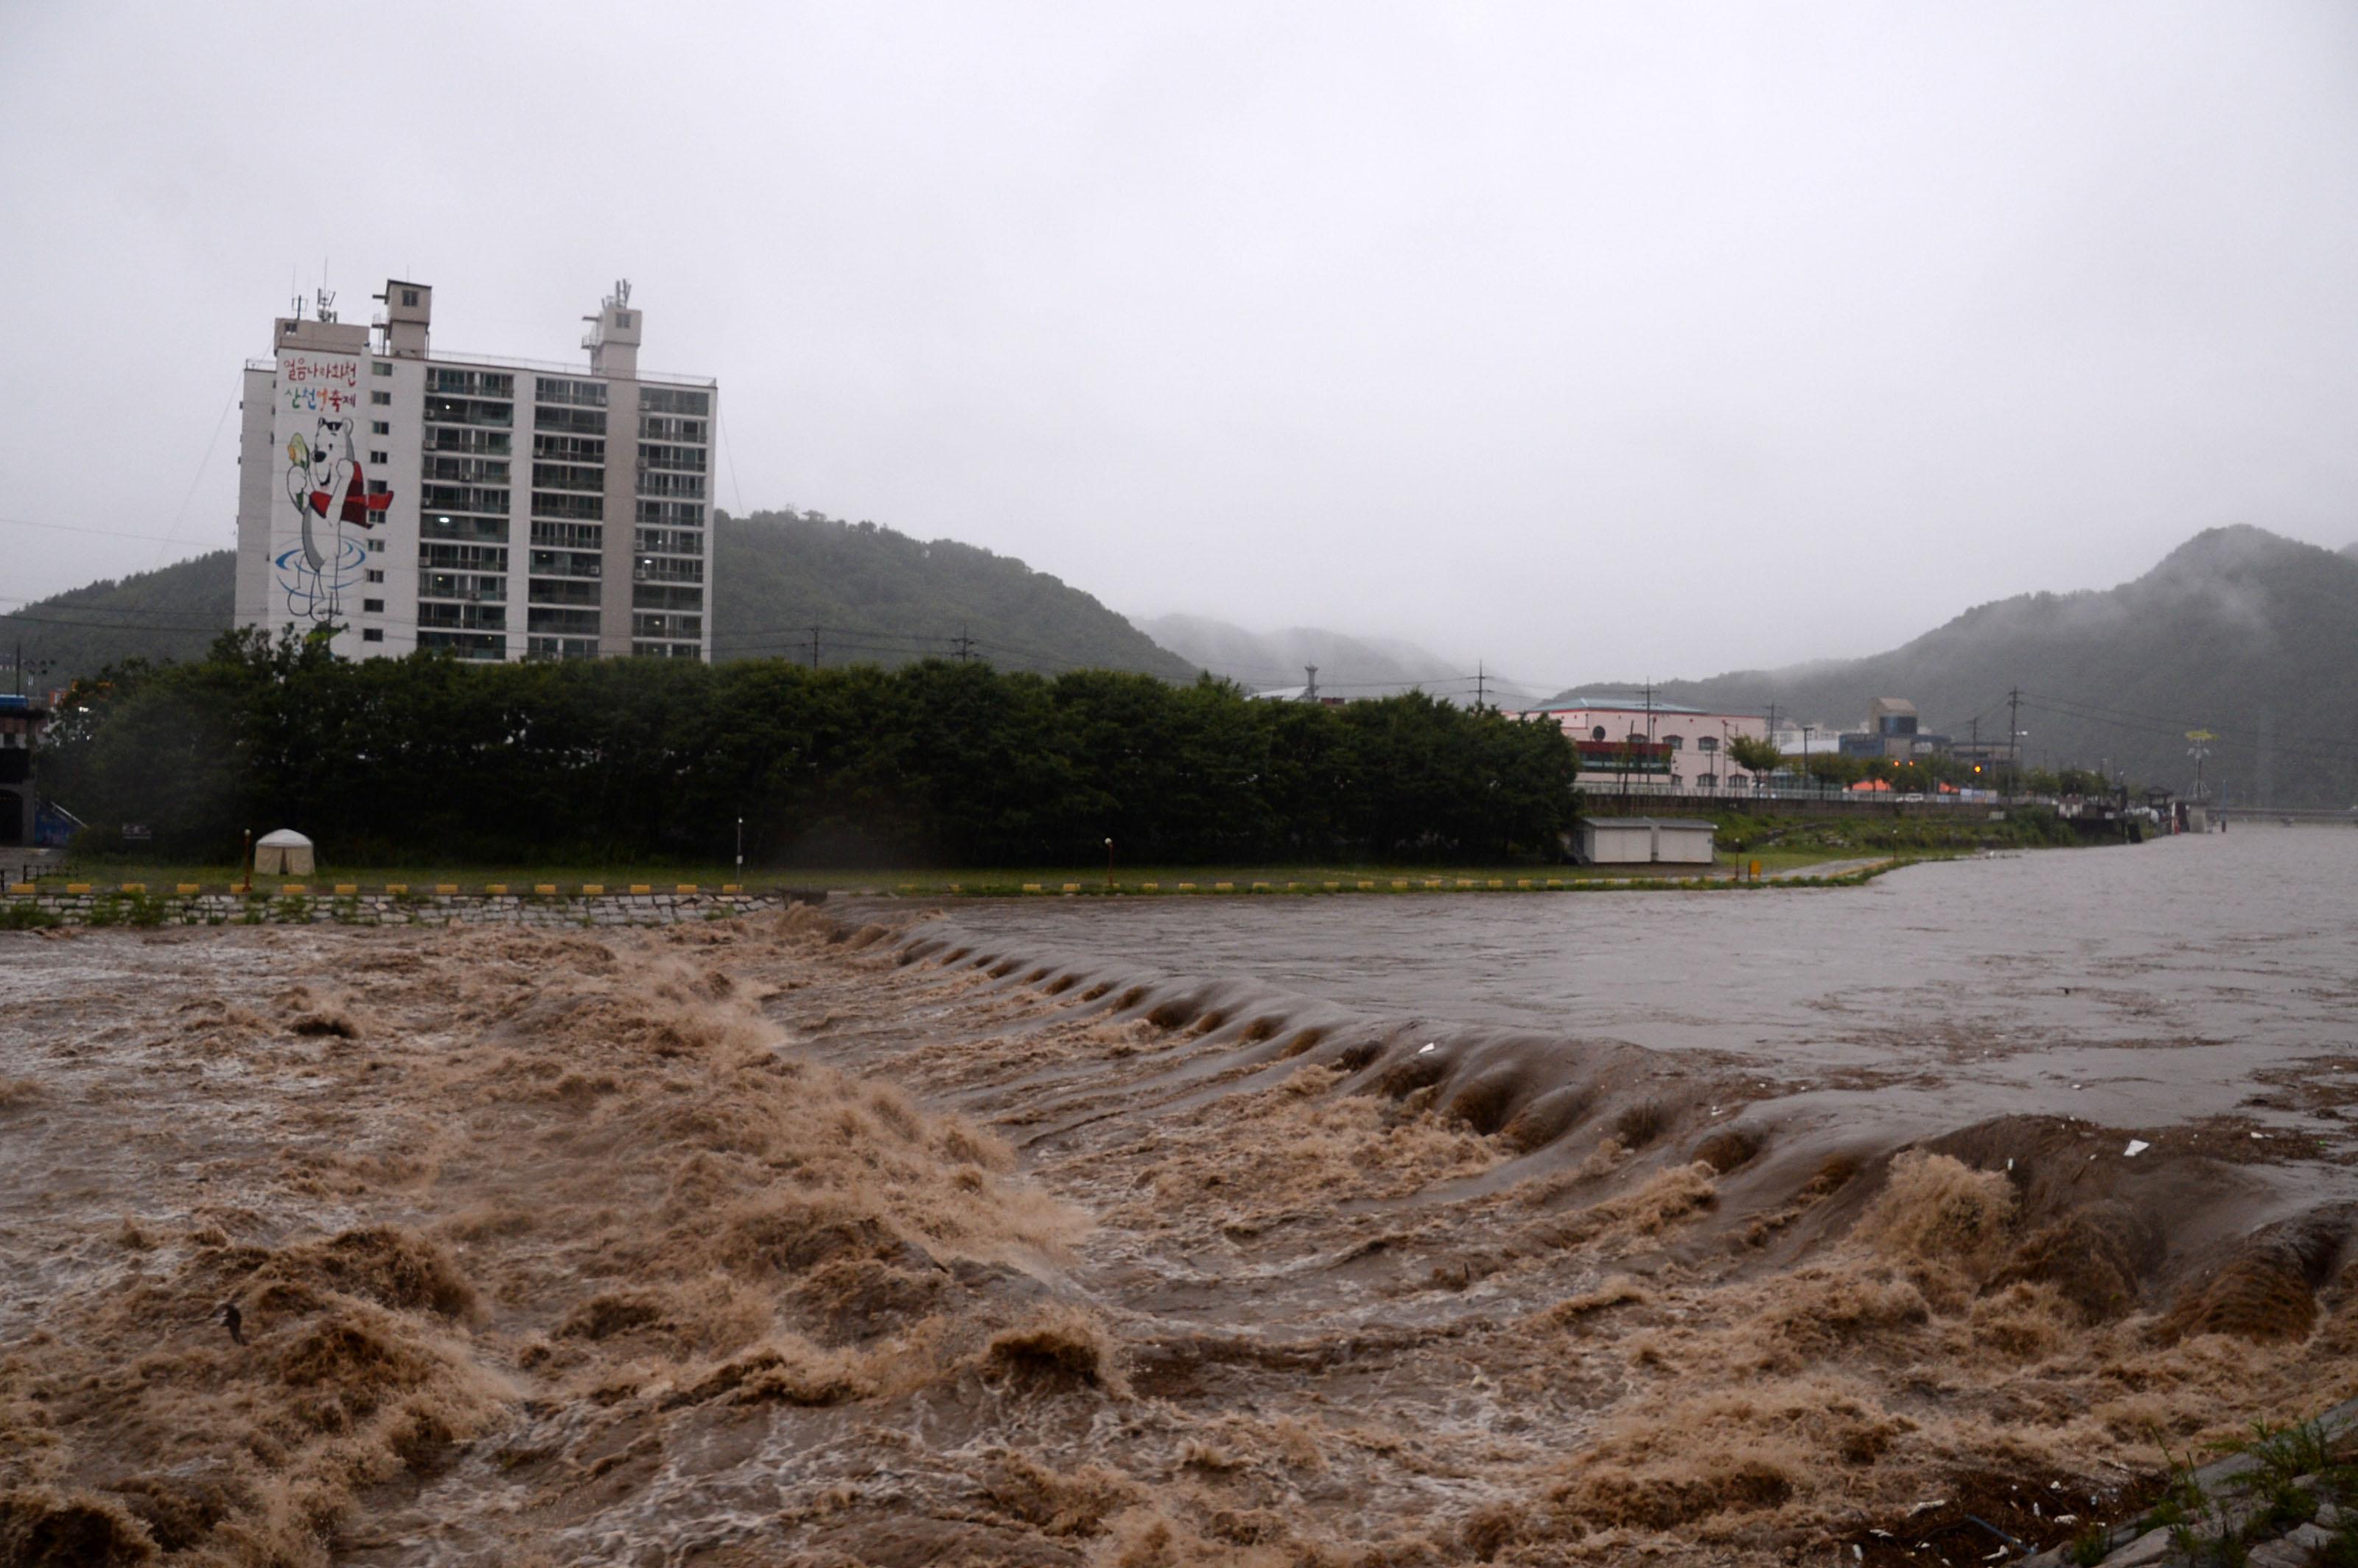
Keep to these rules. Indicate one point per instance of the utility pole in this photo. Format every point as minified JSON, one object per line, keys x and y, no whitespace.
{"x":1309,"y":693}
{"x":1481,"y":685}
{"x":2014,"y":741}
{"x":2198,"y":751}
{"x":814,"y":647}
{"x":37,"y":666}
{"x":964,"y":645}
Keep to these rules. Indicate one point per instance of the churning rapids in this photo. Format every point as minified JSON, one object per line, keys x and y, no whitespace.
{"x":1715,"y":1228}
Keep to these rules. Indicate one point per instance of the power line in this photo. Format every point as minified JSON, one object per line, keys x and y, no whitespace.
{"x":103,"y":533}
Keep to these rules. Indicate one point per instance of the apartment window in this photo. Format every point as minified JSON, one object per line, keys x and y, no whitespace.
{"x":653,"y":455}
{"x":1705,"y":781}
{"x":469,"y":411}
{"x":654,"y":482}
{"x":465,"y":470}
{"x":666,"y":568}
{"x":561,"y":590}
{"x":464,"y":558}
{"x":560,"y":623}
{"x":623,"y":320}
{"x":666,"y":626}
{"x":378,"y":367}
{"x":467,"y":439}
{"x":580,"y":421}
{"x":569,"y":535}
{"x":1707,"y":743}
{"x":567,"y":476}
{"x":465,"y":645}
{"x":667,"y":542}
{"x":409,"y":296}
{"x":379,"y":427}
{"x":380,"y":459}
{"x":675,"y":400}
{"x":672,"y":513}
{"x":377,"y":487}
{"x":569,"y":448}
{"x":584,"y":394}
{"x":657,"y":428}
{"x":567,"y":563}
{"x":473,"y":588}
{"x":377,"y":546}
{"x":373,"y":635}
{"x":381,"y":398}
{"x":665,"y":651}
{"x":1677,"y":742}
{"x":372,"y":607}
{"x":471,"y":383}
{"x":442,"y":525}
{"x":559,"y":504}
{"x":375,"y":574}
{"x":464,"y":617}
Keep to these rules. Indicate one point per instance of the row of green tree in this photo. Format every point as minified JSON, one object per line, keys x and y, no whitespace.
{"x":1912,"y":775}
{"x":426,"y":758}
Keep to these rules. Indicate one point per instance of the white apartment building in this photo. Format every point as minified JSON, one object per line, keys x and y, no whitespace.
{"x":495,"y":508}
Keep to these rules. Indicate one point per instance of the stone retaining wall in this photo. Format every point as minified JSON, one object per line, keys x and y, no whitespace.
{"x":143,"y":908}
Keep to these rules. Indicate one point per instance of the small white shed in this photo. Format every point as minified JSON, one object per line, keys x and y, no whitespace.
{"x":1645,"y":842}
{"x":284,"y":853}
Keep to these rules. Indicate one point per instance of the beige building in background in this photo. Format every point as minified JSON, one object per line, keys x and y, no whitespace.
{"x":493,"y":508}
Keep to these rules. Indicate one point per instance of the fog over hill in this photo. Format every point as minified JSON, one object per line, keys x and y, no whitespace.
{"x":2238,"y":632}
{"x":1347,"y":665}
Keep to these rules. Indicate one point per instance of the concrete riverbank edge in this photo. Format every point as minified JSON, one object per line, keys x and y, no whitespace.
{"x":135,"y":905}
{"x":138,"y":903}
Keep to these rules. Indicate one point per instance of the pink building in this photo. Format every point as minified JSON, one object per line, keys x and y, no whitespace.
{"x":1627,"y":741}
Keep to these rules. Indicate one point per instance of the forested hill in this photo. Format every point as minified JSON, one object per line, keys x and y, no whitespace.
{"x":877,"y":597}
{"x":881,"y":597}
{"x":2240,"y":631}
{"x":174,"y":613}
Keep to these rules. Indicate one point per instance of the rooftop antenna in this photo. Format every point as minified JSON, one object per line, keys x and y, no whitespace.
{"x":295,"y":292}
{"x":327,"y":304}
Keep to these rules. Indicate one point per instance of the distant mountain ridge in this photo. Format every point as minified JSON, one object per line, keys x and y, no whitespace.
{"x":873,"y":593}
{"x":2239,"y":632}
{"x":1347,"y":666}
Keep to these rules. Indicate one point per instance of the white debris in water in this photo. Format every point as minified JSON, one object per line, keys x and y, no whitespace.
{"x":1426,"y":1046}
{"x":2136,"y":1146}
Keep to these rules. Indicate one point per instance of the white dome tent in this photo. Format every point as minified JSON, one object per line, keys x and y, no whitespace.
{"x":284,"y":853}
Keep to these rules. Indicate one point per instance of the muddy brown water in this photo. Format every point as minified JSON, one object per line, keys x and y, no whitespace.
{"x":1719,"y":1228}
{"x":2197,"y":978}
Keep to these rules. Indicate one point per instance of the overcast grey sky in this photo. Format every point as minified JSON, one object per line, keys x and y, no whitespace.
{"x":1657,"y":339}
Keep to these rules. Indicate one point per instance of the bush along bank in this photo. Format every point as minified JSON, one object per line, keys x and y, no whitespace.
{"x":641,"y":761}
{"x":2027,"y":828}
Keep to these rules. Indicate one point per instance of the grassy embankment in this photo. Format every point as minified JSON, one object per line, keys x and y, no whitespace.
{"x":1781,"y":847}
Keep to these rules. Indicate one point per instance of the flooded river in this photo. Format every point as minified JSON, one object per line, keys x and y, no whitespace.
{"x":1741,"y":1227}
{"x":2193,"y":977}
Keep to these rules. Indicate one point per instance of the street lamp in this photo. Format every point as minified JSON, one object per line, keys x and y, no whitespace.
{"x":741,"y":849}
